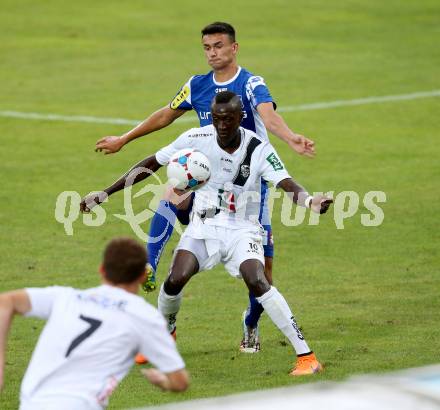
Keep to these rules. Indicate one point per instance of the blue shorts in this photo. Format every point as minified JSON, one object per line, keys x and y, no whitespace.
{"x":264,"y":218}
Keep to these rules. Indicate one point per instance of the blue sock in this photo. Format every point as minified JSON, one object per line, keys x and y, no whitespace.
{"x":254,"y":311}
{"x":161,"y":228}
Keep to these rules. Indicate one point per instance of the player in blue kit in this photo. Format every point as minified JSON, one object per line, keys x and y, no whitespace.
{"x":259,"y":115}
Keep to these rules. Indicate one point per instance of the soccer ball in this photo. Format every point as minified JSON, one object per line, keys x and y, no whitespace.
{"x":188,"y":169}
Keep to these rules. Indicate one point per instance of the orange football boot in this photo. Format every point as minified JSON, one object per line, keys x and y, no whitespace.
{"x":307,"y":364}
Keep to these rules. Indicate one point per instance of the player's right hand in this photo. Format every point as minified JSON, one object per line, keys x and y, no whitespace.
{"x":109,"y":145}
{"x":91,"y":200}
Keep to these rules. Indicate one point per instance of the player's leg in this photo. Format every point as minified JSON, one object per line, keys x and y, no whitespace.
{"x":161,"y":229}
{"x":278,"y":310}
{"x":189,"y":258}
{"x":245,"y":258}
{"x":184,"y":266}
{"x":255,"y":309}
{"x":250,"y":342}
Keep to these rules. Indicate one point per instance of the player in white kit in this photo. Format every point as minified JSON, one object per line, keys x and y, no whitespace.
{"x":224,"y":223}
{"x":91,"y":336}
{"x":221,"y":50}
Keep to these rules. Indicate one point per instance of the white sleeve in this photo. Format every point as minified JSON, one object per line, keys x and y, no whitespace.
{"x":164,"y":154}
{"x":159,"y":346}
{"x":42,"y":300}
{"x":271,"y":167}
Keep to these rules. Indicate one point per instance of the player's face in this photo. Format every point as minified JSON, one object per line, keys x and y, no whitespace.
{"x":226,"y":120}
{"x":220,"y":51}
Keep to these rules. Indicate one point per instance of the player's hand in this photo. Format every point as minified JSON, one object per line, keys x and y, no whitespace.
{"x":109,"y":145}
{"x":91,"y":200}
{"x":320,"y":204}
{"x":302,"y":145}
{"x":156,"y":377}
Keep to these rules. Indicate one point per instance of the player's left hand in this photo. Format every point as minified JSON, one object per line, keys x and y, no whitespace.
{"x":302,"y":145}
{"x":320,"y":204}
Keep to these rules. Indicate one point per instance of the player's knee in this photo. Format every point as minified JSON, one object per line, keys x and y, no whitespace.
{"x":175,"y":283}
{"x":257,"y":283}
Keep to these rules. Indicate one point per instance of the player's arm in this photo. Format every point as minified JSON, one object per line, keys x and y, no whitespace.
{"x":137,"y":173}
{"x":11,"y":303}
{"x":156,"y":121}
{"x":276,"y":125}
{"x":317,"y":203}
{"x":177,"y":381}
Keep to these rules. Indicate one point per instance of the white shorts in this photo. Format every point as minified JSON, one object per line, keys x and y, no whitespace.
{"x":229,"y":246}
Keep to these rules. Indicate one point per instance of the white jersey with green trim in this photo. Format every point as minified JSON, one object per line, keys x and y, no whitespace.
{"x":231,"y":197}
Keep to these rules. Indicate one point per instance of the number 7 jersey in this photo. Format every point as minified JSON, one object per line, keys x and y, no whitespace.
{"x":89,"y":343}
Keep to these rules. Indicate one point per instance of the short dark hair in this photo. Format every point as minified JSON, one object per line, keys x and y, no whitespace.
{"x":219,"y":27}
{"x":124,"y":260}
{"x":225,"y":97}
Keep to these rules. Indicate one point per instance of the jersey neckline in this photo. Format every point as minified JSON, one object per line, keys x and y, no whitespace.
{"x":242,"y":135}
{"x":228,"y":81}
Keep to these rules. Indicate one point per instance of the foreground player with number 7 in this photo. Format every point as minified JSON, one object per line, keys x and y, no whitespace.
{"x":91,"y":336}
{"x":224,"y":223}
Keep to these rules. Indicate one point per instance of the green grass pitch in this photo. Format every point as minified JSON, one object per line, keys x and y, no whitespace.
{"x":366,"y":298}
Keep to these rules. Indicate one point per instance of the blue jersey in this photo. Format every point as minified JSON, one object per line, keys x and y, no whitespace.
{"x":199,"y":90}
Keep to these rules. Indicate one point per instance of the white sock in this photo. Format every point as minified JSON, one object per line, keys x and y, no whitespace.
{"x":169,"y":306}
{"x":278,"y":310}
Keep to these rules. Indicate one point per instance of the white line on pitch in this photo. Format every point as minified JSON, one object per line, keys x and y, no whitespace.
{"x":360,"y":101}
{"x":192,"y":118}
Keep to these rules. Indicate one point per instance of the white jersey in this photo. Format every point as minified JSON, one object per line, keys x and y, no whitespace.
{"x":231,"y":197}
{"x":89,"y":343}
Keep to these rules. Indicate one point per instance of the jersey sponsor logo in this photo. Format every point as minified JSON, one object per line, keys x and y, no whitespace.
{"x":219,"y":90}
{"x":198,"y":135}
{"x":204,"y":115}
{"x":180,"y":97}
{"x":275,"y":162}
{"x":226,"y":159}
